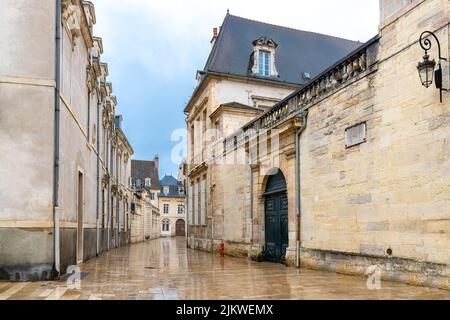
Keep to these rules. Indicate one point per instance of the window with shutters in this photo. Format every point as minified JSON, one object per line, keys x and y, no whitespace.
{"x":202,"y":212}
{"x":191,"y":205}
{"x":196,"y":204}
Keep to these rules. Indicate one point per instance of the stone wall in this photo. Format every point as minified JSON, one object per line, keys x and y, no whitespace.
{"x":385,"y":201}
{"x":26,"y":127}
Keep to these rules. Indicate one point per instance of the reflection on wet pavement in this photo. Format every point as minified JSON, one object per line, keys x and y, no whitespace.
{"x":166,"y":269}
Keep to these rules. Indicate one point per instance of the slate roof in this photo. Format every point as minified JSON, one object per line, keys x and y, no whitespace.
{"x":173,"y":184}
{"x":142,"y":169}
{"x":169,"y":181}
{"x":298,"y":51}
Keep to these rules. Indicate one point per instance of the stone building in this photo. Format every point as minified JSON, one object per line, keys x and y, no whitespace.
{"x":60,"y":139}
{"x":352,"y":169}
{"x":145,"y":176}
{"x":252,"y":66}
{"x":145,"y":218}
{"x":172,"y":208}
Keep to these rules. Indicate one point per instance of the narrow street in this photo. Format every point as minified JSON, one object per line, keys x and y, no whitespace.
{"x":165,"y":269}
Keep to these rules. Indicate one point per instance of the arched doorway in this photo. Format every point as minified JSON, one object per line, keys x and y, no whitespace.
{"x":180,"y":228}
{"x":276,"y":218}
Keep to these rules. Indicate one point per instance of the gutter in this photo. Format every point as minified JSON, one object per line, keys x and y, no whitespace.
{"x":98,"y":175}
{"x":57,"y":133}
{"x":304,"y":115}
{"x":251,"y":202}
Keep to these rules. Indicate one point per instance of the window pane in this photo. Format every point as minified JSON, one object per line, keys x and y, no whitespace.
{"x":267,"y":64}
{"x":261,"y":63}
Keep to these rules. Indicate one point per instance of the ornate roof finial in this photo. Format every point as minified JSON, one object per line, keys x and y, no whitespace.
{"x":228,"y":11}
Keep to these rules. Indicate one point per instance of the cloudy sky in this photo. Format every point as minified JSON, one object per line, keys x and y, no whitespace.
{"x":154,"y":47}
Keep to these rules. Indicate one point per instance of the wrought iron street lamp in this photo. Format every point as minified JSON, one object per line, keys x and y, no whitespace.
{"x":427,"y":67}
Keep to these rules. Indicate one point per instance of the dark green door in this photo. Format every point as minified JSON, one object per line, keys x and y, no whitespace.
{"x":276,"y":219}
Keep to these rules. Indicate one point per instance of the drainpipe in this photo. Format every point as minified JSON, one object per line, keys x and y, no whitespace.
{"x":251,"y":202}
{"x":110,"y":203}
{"x":188,"y":184}
{"x":56,"y":208}
{"x":304,"y":116}
{"x":98,"y":174}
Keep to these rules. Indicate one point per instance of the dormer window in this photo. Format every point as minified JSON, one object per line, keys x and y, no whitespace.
{"x":138,"y":183}
{"x":148,"y":182}
{"x":263,"y":57}
{"x":166,"y":190}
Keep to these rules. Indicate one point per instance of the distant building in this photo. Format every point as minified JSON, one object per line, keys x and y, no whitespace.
{"x":145,"y":218}
{"x":146,"y":214}
{"x":172,"y":207}
{"x":145,"y":176}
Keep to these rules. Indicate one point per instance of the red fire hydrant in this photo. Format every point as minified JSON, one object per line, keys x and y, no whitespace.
{"x":222,"y":249}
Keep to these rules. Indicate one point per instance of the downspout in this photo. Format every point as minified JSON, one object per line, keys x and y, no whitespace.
{"x":57,"y":132}
{"x":251,"y":202}
{"x":108,"y":164}
{"x":304,"y":116}
{"x":98,"y":174}
{"x":187,"y":187}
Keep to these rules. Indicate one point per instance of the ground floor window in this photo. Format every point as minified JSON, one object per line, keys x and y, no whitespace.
{"x":165,"y":225}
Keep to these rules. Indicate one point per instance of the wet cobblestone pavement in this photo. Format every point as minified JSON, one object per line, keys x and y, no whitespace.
{"x":165,"y":269}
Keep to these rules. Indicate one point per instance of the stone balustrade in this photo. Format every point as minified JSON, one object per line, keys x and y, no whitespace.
{"x":357,"y":64}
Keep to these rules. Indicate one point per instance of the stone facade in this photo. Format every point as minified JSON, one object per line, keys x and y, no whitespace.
{"x":145,"y":219}
{"x":172,"y":207}
{"x":48,"y":225}
{"x":210,"y":119}
{"x":379,"y":196}
{"x":173,"y":216}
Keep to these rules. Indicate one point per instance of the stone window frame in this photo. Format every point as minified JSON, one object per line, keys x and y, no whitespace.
{"x":267,"y":45}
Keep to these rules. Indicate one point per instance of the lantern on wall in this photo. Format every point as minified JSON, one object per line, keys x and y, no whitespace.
{"x":427,"y":68}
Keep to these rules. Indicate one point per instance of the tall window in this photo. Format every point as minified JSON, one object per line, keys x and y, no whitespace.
{"x":166,"y":209}
{"x":103,"y":201}
{"x":166,"y":225}
{"x":148,"y":182}
{"x":202,"y":218}
{"x":196,"y":202}
{"x":152,"y":196}
{"x":180,"y":209}
{"x":264,"y":63}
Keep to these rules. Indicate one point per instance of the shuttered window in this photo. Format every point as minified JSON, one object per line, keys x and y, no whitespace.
{"x":196,"y":198}
{"x":203,"y":201}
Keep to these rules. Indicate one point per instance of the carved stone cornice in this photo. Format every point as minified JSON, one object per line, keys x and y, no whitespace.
{"x":105,"y":180}
{"x":91,"y":79}
{"x":114,"y":189}
{"x":71,"y":19}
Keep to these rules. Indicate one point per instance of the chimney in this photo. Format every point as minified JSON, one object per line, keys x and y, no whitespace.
{"x":156,"y":160}
{"x":215,"y":35}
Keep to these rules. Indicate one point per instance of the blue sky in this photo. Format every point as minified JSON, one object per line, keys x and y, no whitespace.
{"x":154,"y":47}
